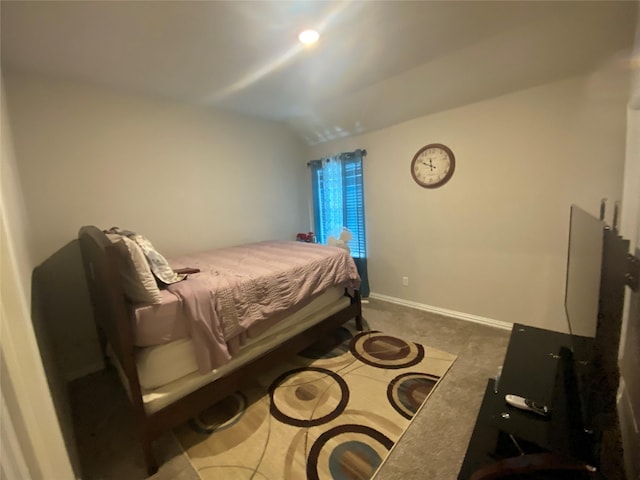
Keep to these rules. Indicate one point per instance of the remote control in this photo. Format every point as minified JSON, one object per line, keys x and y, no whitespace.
{"x":526,"y":404}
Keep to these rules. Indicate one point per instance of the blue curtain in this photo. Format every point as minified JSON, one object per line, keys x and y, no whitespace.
{"x":338,"y":203}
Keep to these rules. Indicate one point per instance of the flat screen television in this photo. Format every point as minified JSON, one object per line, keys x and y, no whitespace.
{"x":584,"y":268}
{"x":599,"y":268}
{"x":582,"y":294}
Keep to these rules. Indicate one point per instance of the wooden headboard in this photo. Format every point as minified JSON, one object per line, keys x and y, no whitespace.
{"x":111,"y":311}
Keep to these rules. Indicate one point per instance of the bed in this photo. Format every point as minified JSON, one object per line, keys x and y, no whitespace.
{"x":217,"y":324}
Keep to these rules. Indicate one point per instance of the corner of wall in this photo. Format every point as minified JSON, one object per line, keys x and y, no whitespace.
{"x":38,"y":439}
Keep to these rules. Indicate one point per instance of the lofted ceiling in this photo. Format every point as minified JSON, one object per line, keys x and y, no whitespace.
{"x":377,"y":62}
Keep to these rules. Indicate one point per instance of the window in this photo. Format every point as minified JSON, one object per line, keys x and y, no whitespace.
{"x":338,"y":202}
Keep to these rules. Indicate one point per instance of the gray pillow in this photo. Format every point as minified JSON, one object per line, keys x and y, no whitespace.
{"x":158,"y":264}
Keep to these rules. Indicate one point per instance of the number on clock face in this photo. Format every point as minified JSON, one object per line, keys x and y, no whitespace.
{"x":433,"y":165}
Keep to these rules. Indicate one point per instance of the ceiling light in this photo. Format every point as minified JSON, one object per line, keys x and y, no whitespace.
{"x":309,"y":37}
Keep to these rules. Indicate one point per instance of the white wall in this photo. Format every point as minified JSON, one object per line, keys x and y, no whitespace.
{"x":492,"y":242}
{"x":33,"y":447}
{"x":188,"y":178}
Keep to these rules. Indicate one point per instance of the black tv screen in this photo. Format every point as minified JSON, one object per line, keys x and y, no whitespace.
{"x":582,"y":294}
{"x":584,"y":265}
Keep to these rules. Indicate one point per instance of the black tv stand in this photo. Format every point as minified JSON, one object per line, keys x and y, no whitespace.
{"x":575,"y":375}
{"x":507,"y":440}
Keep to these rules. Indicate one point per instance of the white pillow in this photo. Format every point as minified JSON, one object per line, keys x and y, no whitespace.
{"x":137,"y":280}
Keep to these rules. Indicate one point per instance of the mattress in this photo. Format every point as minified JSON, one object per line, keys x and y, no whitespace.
{"x":162,"y":364}
{"x":159,"y":398}
{"x":240,"y":290}
{"x":160,"y":323}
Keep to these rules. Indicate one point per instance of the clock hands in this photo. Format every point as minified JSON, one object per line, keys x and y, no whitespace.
{"x":431,"y":166}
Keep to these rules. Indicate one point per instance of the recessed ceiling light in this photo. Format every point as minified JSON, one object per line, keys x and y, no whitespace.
{"x":309,"y":37}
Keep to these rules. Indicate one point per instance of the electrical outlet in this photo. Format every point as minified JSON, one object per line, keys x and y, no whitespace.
{"x":405,"y":281}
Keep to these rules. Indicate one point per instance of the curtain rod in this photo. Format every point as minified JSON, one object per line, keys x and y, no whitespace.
{"x":362,"y":151}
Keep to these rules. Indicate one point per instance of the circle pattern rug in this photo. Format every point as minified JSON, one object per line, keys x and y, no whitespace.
{"x":332,"y":412}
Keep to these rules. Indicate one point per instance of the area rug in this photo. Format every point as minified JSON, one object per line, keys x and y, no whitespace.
{"x":332,"y":412}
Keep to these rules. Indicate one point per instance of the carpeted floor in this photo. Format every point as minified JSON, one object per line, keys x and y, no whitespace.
{"x":432,"y":447}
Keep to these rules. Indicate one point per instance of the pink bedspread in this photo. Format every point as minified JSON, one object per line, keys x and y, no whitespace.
{"x":243,"y":285}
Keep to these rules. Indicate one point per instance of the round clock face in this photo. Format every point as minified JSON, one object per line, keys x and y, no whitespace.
{"x":433,"y":165}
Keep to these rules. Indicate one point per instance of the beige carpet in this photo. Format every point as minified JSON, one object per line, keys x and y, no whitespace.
{"x":333,"y":412}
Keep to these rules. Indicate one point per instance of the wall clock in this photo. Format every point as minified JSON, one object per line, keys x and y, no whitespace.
{"x":433,"y":165}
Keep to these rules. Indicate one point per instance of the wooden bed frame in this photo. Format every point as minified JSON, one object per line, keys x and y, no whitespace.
{"x":112,"y":315}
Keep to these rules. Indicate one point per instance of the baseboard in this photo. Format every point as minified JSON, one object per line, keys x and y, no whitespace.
{"x":84,"y":371}
{"x":443,"y":311}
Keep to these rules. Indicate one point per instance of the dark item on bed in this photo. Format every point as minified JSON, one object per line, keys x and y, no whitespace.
{"x":112,"y":315}
{"x":186,"y":270}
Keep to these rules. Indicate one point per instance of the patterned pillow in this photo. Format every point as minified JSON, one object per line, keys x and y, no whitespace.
{"x":137,"y":280}
{"x":159,"y":265}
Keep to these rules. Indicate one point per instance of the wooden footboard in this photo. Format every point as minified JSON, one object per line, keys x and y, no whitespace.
{"x":112,"y":315}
